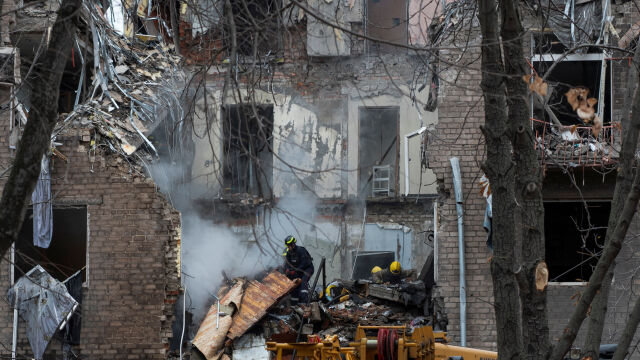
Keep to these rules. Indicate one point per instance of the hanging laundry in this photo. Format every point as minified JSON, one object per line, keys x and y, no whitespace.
{"x":42,"y":209}
{"x":487,"y":224}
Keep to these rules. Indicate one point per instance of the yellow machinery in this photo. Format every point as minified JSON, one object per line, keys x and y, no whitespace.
{"x":390,"y":343}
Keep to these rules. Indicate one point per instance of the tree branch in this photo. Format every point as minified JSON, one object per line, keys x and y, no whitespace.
{"x":36,"y":139}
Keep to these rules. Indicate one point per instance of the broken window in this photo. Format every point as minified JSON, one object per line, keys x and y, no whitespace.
{"x":378,"y":154}
{"x":387,"y":20}
{"x":67,"y":252}
{"x":574,"y":236}
{"x":248,"y":158}
{"x":572,"y":110}
{"x":257,"y":25}
{"x":590,"y":72}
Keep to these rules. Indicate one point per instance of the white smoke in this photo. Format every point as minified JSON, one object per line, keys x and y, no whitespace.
{"x":207,"y":251}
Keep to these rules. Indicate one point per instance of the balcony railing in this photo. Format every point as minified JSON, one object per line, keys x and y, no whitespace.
{"x":576,"y":146}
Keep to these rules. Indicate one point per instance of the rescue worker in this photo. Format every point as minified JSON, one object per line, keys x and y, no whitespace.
{"x":375,"y":270}
{"x":394,"y":274}
{"x":298,"y":265}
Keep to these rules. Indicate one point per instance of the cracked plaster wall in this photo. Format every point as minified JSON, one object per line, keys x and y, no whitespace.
{"x":308,"y":142}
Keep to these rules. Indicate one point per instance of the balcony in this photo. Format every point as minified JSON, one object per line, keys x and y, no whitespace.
{"x":575,"y":146}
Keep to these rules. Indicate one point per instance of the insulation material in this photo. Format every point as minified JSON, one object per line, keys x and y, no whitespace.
{"x":42,"y":208}
{"x":44,"y":303}
{"x":587,"y":20}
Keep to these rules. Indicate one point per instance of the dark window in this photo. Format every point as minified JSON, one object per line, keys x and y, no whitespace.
{"x":574,"y":236}
{"x":257,"y":25}
{"x":387,"y":20}
{"x":67,"y":252}
{"x":248,"y":158}
{"x":571,"y":74}
{"x":378,"y":154}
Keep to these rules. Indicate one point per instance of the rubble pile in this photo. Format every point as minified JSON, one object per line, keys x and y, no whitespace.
{"x":256,"y":312}
{"x":135,"y":86}
{"x":570,"y":147}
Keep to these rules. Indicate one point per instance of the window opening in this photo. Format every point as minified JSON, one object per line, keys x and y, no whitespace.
{"x":257,"y":22}
{"x":572,"y":115}
{"x":378,"y":154}
{"x":67,"y":252}
{"x":387,"y":20}
{"x":248,"y":160}
{"x":572,"y":246}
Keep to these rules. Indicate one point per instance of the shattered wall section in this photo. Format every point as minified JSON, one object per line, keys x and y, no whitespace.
{"x":133,"y":248}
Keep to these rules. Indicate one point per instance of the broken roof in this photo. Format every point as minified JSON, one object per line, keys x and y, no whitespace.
{"x":135,"y":86}
{"x":257,"y":297}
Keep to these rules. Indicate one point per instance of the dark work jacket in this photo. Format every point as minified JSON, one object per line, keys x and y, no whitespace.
{"x":385,"y":275}
{"x":299,"y":260}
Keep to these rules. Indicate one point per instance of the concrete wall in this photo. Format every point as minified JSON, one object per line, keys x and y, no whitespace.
{"x":308,"y":140}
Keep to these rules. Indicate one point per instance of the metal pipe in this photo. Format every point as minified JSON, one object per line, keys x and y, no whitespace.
{"x":457,"y":185}
{"x":184,"y":312}
{"x":14,"y":339}
{"x":406,"y":157}
{"x":435,"y":242}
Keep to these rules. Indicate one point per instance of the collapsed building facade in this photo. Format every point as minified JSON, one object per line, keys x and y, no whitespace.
{"x":97,"y":224}
{"x":313,"y":67}
{"x":311,"y":131}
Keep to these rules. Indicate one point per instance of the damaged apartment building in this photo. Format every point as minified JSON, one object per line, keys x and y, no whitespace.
{"x":324,"y":119}
{"x":97,"y":225}
{"x":578,"y":147}
{"x":310,"y":130}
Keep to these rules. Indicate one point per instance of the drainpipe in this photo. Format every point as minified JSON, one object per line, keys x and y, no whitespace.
{"x":457,"y":185}
{"x":406,"y":157}
{"x":14,"y":338}
{"x":435,"y":242}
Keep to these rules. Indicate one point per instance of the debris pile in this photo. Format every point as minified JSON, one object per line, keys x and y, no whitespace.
{"x":249,"y":313}
{"x":574,"y":146}
{"x":135,"y":86}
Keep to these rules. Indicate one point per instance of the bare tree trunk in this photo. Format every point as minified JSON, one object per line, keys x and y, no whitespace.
{"x":500,"y":169}
{"x":623,"y":186}
{"x":528,"y":188}
{"x":612,"y":249}
{"x":629,"y":332}
{"x":36,"y":139}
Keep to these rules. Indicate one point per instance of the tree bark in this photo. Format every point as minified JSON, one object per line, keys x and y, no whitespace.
{"x":629,"y":332}
{"x":623,"y":186}
{"x":528,"y":188}
{"x":36,"y":139}
{"x":501,"y":173}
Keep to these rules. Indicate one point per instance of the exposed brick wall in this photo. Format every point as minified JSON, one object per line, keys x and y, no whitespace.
{"x":133,"y":254}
